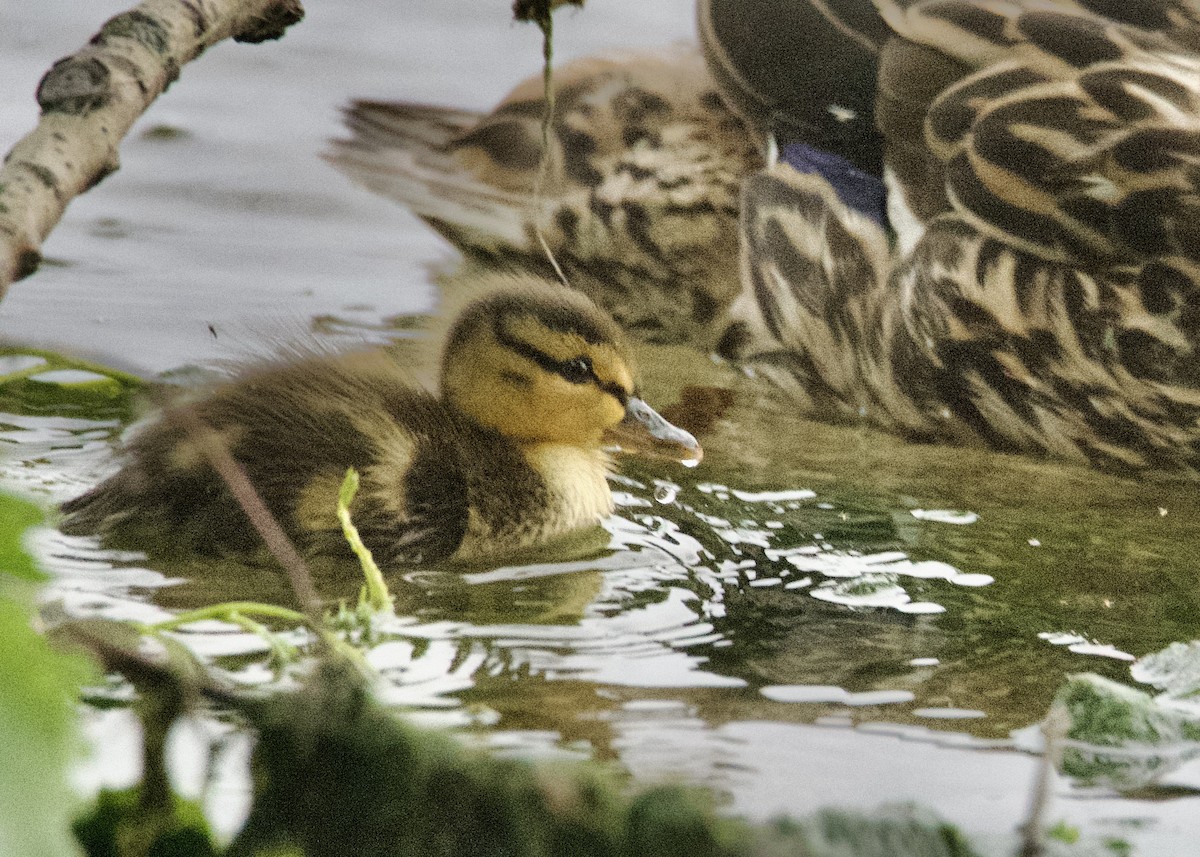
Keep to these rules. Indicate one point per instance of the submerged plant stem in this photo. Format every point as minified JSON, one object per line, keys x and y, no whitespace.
{"x":545,"y":22}
{"x":256,"y":510}
{"x":227,"y":612}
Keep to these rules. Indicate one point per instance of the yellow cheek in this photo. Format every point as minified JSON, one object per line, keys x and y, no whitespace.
{"x":613,"y":412}
{"x":556,"y":410}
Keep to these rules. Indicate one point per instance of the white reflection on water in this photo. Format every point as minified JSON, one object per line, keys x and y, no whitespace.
{"x":53,"y":457}
{"x":819,"y":693}
{"x":945,"y":516}
{"x":773,"y":496}
{"x":1081,"y":645}
{"x":640,"y":647}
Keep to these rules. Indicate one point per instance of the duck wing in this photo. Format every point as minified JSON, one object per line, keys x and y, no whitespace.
{"x":413,"y":153}
{"x":1052,"y":302}
{"x":812,"y":268}
{"x":1073,"y":137}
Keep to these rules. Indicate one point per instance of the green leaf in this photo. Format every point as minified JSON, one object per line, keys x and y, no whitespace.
{"x":117,"y":825}
{"x":39,"y":689}
{"x":1064,"y":832}
{"x":17,"y":517}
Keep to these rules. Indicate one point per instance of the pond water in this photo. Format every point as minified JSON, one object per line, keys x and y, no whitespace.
{"x":815,"y":615}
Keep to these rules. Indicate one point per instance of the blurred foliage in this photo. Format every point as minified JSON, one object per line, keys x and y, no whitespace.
{"x":336,"y":774}
{"x":1125,"y":738}
{"x":39,"y":689}
{"x":118,"y":825}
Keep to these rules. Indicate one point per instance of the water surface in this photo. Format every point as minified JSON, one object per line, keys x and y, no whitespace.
{"x":815,"y":615}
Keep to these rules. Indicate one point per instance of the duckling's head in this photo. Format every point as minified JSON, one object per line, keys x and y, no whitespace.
{"x":542,"y":364}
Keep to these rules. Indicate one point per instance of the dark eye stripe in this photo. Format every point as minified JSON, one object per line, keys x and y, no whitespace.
{"x":615,"y":390}
{"x":570,"y":370}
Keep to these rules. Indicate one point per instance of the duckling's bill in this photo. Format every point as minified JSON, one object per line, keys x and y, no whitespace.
{"x":644,"y":431}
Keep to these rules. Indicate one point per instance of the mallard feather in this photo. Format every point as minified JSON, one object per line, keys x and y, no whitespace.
{"x":1033,"y":285}
{"x":1049,"y":301}
{"x":640,"y":202}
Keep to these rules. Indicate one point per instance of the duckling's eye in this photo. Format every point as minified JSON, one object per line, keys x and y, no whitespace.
{"x":577,"y":371}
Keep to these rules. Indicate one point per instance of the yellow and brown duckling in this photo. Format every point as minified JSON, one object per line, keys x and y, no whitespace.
{"x":640,"y":203}
{"x":1041,"y":291}
{"x":536,"y":384}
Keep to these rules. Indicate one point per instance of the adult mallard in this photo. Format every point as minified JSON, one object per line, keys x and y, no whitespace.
{"x":1041,"y":292}
{"x":536,"y":383}
{"x":639,"y":204}
{"x":1028,"y":282}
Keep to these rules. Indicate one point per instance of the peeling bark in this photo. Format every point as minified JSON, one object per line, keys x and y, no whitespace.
{"x":89,"y":101}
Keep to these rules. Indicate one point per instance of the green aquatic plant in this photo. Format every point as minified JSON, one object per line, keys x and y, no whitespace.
{"x":33,"y":380}
{"x":335,"y":627}
{"x":374,"y":595}
{"x":1126,"y":738}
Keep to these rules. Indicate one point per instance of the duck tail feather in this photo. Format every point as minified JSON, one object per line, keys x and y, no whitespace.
{"x":405,"y":152}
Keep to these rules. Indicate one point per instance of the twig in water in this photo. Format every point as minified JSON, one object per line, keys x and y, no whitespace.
{"x":256,"y":510}
{"x":545,"y":22}
{"x":1054,"y":733}
{"x":91,"y":99}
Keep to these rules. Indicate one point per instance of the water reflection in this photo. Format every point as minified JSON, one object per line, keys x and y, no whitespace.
{"x":765,"y":624}
{"x":750,"y":597}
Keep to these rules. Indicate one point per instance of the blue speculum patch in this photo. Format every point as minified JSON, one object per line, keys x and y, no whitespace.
{"x":860,"y":190}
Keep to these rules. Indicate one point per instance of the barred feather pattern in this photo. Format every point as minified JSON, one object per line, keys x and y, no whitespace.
{"x":1077,"y":139}
{"x":639,"y":208}
{"x":1051,"y":304}
{"x":967,"y":339}
{"x":814,"y":315}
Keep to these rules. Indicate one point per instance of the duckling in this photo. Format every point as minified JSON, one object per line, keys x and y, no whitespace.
{"x":536,"y":384}
{"x":640,"y":202}
{"x":1042,"y":293}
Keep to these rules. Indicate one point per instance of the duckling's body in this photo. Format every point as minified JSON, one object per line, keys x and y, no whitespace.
{"x":508,"y":457}
{"x":639,"y":204}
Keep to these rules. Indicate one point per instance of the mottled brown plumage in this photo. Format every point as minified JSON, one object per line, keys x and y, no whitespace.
{"x":1046,"y":297}
{"x":1036,"y":290}
{"x":640,"y":202}
{"x":509,"y":455}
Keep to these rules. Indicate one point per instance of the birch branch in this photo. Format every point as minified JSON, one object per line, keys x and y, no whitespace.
{"x":89,"y":101}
